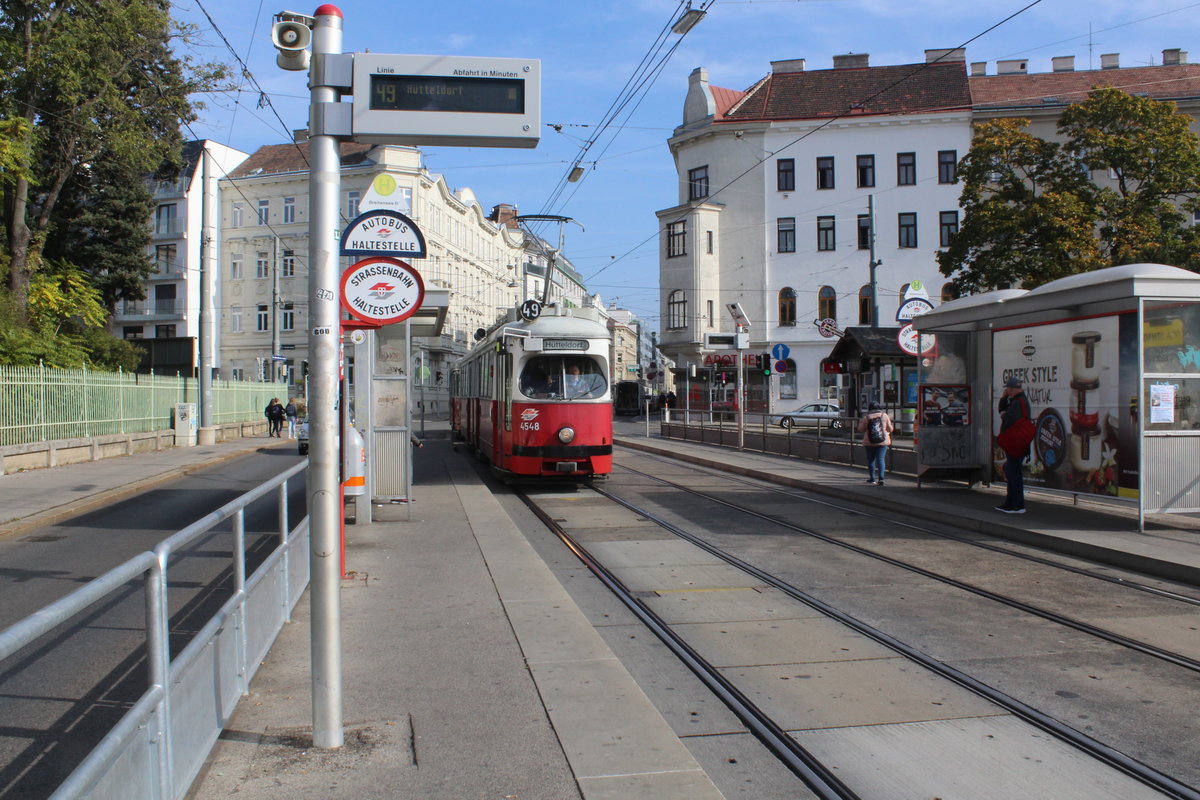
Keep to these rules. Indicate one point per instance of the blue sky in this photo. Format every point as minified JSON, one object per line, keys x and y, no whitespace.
{"x":590,"y":50}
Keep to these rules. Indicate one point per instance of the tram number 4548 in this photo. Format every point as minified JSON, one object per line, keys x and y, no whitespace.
{"x":531,"y":426}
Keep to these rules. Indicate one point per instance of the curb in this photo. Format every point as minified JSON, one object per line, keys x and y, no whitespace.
{"x":108,"y":497}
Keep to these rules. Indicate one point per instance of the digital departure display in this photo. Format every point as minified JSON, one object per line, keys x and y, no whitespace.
{"x":447,"y":93}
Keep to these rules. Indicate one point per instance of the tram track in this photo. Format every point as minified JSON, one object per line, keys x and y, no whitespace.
{"x":804,"y":764}
{"x":1112,"y":637}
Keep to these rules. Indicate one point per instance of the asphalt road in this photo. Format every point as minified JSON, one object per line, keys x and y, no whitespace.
{"x":60,"y":695}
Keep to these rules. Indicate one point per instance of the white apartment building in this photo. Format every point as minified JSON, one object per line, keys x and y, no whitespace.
{"x":775,"y":188}
{"x":171,"y":309}
{"x":264,"y":256}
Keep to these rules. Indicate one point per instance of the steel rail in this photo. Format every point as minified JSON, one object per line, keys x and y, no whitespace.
{"x":823,"y":782}
{"x":1092,"y":747}
{"x":808,"y":497}
{"x":1145,"y":648}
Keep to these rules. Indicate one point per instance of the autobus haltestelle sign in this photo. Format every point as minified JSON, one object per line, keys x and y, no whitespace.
{"x":382,"y":290}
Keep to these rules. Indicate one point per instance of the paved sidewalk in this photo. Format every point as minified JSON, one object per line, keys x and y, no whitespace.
{"x":40,"y":497}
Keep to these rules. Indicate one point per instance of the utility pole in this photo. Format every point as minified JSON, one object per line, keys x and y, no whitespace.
{"x":208,"y":287}
{"x":874,"y":263}
{"x":274,"y":307}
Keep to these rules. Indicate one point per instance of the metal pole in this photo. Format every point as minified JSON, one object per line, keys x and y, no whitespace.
{"x":741,"y":402}
{"x":274,"y":308}
{"x":208,"y":284}
{"x":874,"y":263}
{"x":323,"y":337}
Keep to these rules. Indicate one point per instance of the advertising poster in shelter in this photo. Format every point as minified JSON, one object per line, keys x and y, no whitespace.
{"x":1079,"y":377}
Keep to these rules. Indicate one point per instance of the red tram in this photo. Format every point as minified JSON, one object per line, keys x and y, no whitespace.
{"x":533,"y":397}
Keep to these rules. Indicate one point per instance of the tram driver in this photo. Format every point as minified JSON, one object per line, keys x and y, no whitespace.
{"x":583,"y":384}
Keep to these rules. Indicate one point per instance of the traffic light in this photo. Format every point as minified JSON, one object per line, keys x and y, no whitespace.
{"x":764,"y":363}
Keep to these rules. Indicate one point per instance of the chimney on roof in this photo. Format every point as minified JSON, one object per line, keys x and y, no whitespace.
{"x":851,"y":61}
{"x":1014,"y":66}
{"x":1063,"y":63}
{"x":791,"y":65}
{"x":979,"y":68}
{"x":504,"y":214}
{"x":1110,"y":61}
{"x":1174,"y":57}
{"x":699,"y":103}
{"x":944,"y":54}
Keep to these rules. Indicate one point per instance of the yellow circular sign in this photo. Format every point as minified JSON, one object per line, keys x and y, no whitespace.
{"x":384,"y":184}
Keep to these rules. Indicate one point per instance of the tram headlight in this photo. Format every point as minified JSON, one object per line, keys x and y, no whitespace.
{"x":566,"y":435}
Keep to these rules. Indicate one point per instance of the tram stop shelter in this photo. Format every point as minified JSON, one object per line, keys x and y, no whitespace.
{"x":874,"y":367}
{"x":1110,"y":363}
{"x":383,"y":370}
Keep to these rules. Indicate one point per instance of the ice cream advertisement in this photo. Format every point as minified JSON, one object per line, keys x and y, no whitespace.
{"x":1071,"y":375}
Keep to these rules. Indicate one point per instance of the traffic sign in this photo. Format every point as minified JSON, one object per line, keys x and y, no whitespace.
{"x":913,"y":308}
{"x":780,"y":351}
{"x":912,"y":342}
{"x":383,"y":232}
{"x":781,"y":366}
{"x":279,"y":358}
{"x":382,"y":290}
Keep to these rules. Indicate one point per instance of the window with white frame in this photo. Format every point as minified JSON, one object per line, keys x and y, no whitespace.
{"x":237,"y":216}
{"x":287,"y":267}
{"x":711,"y":320}
{"x":288,"y":317}
{"x":263,"y":317}
{"x":235,"y":268}
{"x":264,"y":212}
{"x":352,"y":201}
{"x":262,"y":265}
{"x":235,"y":319}
{"x":289,"y":210}
{"x":237,"y":373}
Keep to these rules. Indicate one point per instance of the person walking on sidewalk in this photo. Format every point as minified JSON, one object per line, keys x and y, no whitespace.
{"x":290,"y":412}
{"x":1014,"y":405}
{"x":876,"y":428}
{"x":274,"y":414}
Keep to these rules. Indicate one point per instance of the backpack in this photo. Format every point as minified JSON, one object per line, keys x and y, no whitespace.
{"x":875,"y":432}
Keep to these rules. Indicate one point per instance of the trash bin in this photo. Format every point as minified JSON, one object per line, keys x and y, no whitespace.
{"x":185,"y":424}
{"x":907,"y":416}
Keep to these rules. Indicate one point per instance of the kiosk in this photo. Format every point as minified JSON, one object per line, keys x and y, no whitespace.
{"x":1110,"y":362}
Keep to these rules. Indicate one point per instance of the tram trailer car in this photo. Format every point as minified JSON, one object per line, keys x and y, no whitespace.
{"x":533,"y":397}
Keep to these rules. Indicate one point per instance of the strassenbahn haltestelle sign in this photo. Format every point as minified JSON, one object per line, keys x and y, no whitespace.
{"x":382,"y":290}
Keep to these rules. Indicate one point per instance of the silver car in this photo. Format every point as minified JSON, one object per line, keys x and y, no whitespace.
{"x":821,"y":413}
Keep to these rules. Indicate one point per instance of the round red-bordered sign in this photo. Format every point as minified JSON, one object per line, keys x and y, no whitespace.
{"x":382,"y":290}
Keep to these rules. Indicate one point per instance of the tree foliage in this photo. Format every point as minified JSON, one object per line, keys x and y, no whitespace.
{"x":91,"y":106}
{"x":1037,"y":210}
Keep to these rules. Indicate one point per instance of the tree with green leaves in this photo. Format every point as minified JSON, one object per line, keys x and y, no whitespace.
{"x":91,"y":106}
{"x":1033,"y":213}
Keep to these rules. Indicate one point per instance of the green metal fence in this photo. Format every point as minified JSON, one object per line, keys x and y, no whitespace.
{"x":39,"y":404}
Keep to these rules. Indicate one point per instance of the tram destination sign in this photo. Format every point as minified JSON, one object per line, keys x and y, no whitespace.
{"x":383,"y":233}
{"x":382,"y":290}
{"x":460,"y":101}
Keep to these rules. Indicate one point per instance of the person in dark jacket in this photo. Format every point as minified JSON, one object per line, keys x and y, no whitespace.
{"x":274,"y":414}
{"x":1013,"y":405}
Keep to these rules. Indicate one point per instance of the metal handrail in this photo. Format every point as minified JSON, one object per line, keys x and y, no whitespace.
{"x":153,"y":707}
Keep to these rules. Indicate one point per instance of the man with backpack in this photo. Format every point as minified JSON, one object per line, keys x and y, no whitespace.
{"x":876,"y":428}
{"x":1014,"y":407}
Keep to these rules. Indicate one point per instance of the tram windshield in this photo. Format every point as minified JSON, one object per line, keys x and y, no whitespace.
{"x":562,"y":378}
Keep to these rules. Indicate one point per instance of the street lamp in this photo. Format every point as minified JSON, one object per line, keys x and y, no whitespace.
{"x":688,"y":21}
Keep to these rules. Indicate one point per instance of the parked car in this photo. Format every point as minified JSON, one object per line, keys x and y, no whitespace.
{"x":821,"y":413}
{"x":302,"y":435}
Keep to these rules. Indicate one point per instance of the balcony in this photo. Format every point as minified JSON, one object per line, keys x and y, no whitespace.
{"x":147,"y":310}
{"x":168,"y":229}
